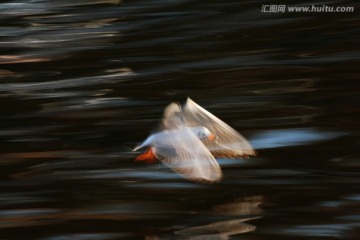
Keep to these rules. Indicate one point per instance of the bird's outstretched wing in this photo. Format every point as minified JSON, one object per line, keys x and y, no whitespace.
{"x":172,"y":117}
{"x":184,"y":153}
{"x":229,"y":143}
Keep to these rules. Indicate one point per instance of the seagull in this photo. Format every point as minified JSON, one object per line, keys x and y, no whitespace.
{"x":188,"y":141}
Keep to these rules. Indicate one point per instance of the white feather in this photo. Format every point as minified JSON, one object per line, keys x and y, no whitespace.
{"x":179,"y":143}
{"x":228,"y":139}
{"x":184,"y":153}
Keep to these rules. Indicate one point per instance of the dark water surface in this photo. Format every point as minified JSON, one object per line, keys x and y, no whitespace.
{"x":82,"y":82}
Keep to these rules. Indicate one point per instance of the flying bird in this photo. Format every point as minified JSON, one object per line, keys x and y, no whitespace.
{"x":189,"y":140}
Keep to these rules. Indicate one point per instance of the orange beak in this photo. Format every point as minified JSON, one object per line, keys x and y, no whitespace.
{"x":212,"y":137}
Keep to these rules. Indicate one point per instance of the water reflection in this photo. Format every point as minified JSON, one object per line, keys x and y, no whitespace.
{"x":240,"y":206}
{"x":67,"y":83}
{"x":237,"y":213}
{"x":238,"y":210}
{"x":291,"y":137}
{"x":83,"y":80}
{"x":28,"y":217}
{"x":218,"y":230}
{"x":325,"y":230}
{"x":89,"y":236}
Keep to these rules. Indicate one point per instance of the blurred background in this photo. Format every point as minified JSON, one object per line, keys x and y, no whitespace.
{"x":83,"y":81}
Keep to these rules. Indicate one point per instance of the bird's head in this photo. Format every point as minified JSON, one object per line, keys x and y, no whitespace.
{"x":203,"y":133}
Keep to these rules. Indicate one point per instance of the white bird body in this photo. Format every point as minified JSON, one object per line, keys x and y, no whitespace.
{"x":156,"y":138}
{"x":189,"y":138}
